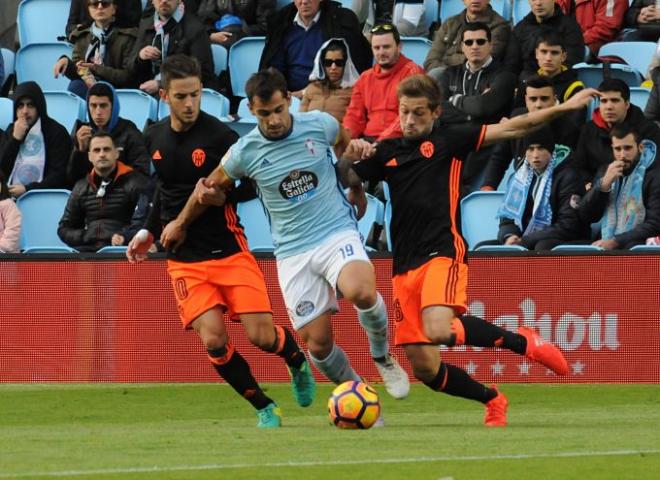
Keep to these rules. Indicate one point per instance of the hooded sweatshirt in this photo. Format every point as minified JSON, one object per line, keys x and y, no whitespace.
{"x":56,"y":139}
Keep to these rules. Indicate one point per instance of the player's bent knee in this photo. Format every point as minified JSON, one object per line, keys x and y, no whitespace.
{"x":362,"y":295}
{"x":214,"y":340}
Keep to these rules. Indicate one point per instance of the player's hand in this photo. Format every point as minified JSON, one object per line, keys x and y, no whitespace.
{"x":610,"y":244}
{"x":359,"y":149}
{"x":613,"y":172}
{"x":173,"y":236}
{"x":207,"y":193}
{"x":358,"y":199}
{"x":582,"y":99}
{"x":139,"y":245}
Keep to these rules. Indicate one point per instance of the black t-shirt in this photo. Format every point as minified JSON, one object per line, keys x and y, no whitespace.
{"x":180,"y":160}
{"x":424,"y":178}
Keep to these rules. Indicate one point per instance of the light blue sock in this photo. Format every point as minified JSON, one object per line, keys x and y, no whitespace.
{"x":374,"y":322}
{"x":336,"y":366}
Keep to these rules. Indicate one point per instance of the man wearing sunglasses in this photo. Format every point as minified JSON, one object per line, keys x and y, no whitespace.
{"x":373,"y":107}
{"x":127,"y":16}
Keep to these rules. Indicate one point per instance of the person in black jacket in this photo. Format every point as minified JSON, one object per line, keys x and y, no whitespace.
{"x":128,"y":14}
{"x":103,"y":112}
{"x":545,"y":16}
{"x":625,"y":196}
{"x":294,"y":37}
{"x":101,"y":206}
{"x":595,"y":147}
{"x":37,"y":149}
{"x":539,"y":210}
{"x":169,"y":31}
{"x":230,"y":20}
{"x":642,"y":22}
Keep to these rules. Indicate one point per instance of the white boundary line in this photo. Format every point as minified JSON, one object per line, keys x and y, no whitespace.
{"x":178,"y":468}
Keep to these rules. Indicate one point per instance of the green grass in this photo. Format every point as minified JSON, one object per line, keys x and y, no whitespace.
{"x":194,"y":431}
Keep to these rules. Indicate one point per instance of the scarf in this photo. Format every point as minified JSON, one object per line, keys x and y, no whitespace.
{"x":625,"y":208}
{"x":515,"y":200}
{"x":98,"y":45}
{"x":163,"y":29}
{"x":350,"y":72}
{"x":31,"y":158}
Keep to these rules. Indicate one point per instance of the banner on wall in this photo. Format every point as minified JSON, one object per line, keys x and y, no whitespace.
{"x":107,"y":321}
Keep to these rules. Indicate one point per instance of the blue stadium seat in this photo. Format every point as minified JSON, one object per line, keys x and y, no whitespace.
{"x":112,"y":249}
{"x":282,"y":3}
{"x":42,"y":211}
{"x":65,"y":108}
{"x":431,"y":12}
{"x":636,"y":54}
{"x":8,"y":60}
{"x":137,"y":106}
{"x":449,"y":8}
{"x":592,"y":74}
{"x":479,"y":220}
{"x":639,"y":96}
{"x":375,"y":214}
{"x":577,"y":248}
{"x":6,"y":112}
{"x":35,"y":62}
{"x":646,"y":248}
{"x":245,"y":116}
{"x":244,"y":57}
{"x":220,"y":55}
{"x":41,"y":21}
{"x":213,"y":103}
{"x":415,"y":48}
{"x":520,"y":9}
{"x":501,"y":248}
{"x":51,"y":249}
{"x":257,"y":227}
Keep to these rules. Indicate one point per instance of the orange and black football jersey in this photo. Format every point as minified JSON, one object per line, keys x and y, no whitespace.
{"x":424,"y":179}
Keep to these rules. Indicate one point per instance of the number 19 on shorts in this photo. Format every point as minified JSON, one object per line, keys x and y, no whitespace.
{"x":347,"y":251}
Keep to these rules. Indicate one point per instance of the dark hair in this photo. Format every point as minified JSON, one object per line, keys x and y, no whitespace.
{"x":100,"y":89}
{"x":385,"y":29}
{"x":334,"y":46}
{"x":476,"y":27}
{"x":537,"y":81}
{"x":552,"y":39}
{"x":179,"y":66}
{"x":4,"y":189}
{"x":621,"y":130}
{"x":420,"y":85}
{"x":615,"y":85}
{"x":265,"y":83}
{"x":102,"y":134}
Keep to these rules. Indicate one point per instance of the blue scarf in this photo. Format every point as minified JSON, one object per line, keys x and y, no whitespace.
{"x":625,"y":208}
{"x":515,"y":200}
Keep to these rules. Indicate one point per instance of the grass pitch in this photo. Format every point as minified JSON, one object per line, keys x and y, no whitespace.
{"x":194,"y":431}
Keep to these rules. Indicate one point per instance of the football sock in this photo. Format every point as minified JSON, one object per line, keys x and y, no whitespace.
{"x":231,"y":366}
{"x":455,"y":381}
{"x":374,"y":322}
{"x":475,"y":331}
{"x":335,"y":366}
{"x":286,"y":347}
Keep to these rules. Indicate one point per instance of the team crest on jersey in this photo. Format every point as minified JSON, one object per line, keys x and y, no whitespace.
{"x":309,"y":145}
{"x":299,"y":185}
{"x":427,"y":149}
{"x":198,"y":157}
{"x":304,"y":308}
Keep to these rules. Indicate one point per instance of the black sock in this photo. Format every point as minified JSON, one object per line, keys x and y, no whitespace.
{"x":286,"y":347}
{"x":455,"y":381}
{"x":231,"y":366}
{"x":480,"y":333}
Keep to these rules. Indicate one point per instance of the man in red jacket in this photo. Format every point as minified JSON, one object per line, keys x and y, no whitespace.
{"x":599,"y":20}
{"x":374,"y":104}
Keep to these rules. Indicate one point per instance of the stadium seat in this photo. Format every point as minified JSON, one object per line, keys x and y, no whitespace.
{"x":415,"y":48}
{"x":42,"y":211}
{"x":51,"y":249}
{"x":112,"y":249}
{"x":35,"y":62}
{"x":6,"y":112}
{"x":282,"y":3}
{"x":431,"y":12}
{"x":479,"y":220}
{"x":636,"y":54}
{"x":639,"y":96}
{"x":8,"y":60}
{"x":449,"y":8}
{"x":646,"y":248}
{"x":244,"y":57}
{"x":375,"y":214}
{"x":220,"y":55}
{"x":577,"y":248}
{"x":245,"y":116}
{"x":520,"y":9}
{"x":42,"y":21}
{"x":592,"y":75}
{"x":257,"y":227}
{"x":501,"y":248}
{"x":137,"y":106}
{"x":65,"y":108}
{"x":213,"y":103}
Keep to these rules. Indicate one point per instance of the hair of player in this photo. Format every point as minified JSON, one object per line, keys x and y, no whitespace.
{"x":420,"y":86}
{"x":265,"y":83}
{"x":177,"y":67}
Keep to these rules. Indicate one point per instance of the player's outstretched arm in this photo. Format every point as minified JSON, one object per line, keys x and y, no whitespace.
{"x":520,"y":126}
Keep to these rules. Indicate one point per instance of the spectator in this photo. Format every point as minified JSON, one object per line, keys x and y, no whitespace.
{"x":37,"y":150}
{"x":539,"y":94}
{"x":10,"y":220}
{"x":595,"y":147}
{"x":539,"y":210}
{"x":626,"y":193}
{"x":331,"y":81}
{"x":128,"y":15}
{"x":230,"y":20}
{"x":171,"y":30}
{"x":101,"y":51}
{"x":545,"y":16}
{"x":103,"y":113}
{"x":652,"y":110}
{"x":600,"y":20}
{"x":374,"y":103}
{"x":296,"y":33}
{"x":2,"y":72}
{"x":100,"y":207}
{"x":642,"y":22}
{"x":447,"y":48}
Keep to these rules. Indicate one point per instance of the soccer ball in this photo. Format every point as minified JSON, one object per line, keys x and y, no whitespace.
{"x":353,"y":405}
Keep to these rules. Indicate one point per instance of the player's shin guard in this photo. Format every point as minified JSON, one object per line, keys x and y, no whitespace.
{"x":374,"y":322}
{"x":286,"y":347}
{"x":475,"y":331}
{"x":335,"y":366}
{"x":455,"y":381}
{"x":231,"y":366}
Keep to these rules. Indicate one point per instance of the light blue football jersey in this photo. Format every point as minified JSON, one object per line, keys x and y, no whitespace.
{"x":297,"y":182}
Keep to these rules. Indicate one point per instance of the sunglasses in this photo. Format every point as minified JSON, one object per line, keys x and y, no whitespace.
{"x":480,"y":41}
{"x":100,"y":3}
{"x":383,"y":27}
{"x":327,"y":62}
